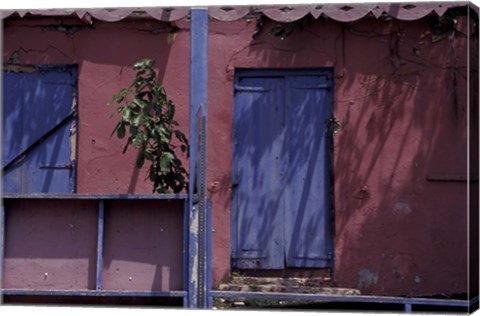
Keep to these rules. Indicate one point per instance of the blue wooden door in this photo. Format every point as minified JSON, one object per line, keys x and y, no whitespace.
{"x":281,"y":205}
{"x":38,"y":113}
{"x":308,"y":236}
{"x":259,"y":116}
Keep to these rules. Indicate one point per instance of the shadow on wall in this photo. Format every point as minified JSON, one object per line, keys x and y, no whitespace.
{"x":397,"y":228}
{"x":113,"y":52}
{"x":402,"y":103}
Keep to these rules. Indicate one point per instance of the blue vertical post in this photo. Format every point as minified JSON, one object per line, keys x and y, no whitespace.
{"x":193,"y":257}
{"x":408,"y":308}
{"x":2,"y":210}
{"x":185,"y":249}
{"x":101,"y":216}
{"x":209,"y":254}
{"x":2,"y":246}
{"x":198,"y":105}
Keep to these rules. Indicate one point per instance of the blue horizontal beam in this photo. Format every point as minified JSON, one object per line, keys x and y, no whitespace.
{"x":94,"y":293}
{"x":255,"y":72}
{"x":340,"y":298}
{"x":49,"y":196}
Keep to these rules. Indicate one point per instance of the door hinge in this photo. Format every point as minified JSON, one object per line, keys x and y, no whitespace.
{"x":334,"y":125}
{"x":59,"y":166}
{"x":328,"y":256}
{"x":250,"y":89}
{"x":39,"y":141}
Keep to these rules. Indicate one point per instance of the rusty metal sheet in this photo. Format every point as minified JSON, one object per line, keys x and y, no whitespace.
{"x":414,"y":11}
{"x":50,"y":12}
{"x":168,"y":15}
{"x":6,"y":13}
{"x":286,"y":13}
{"x":107,"y":15}
{"x":228,"y":13}
{"x":347,"y":12}
{"x":339,"y":12}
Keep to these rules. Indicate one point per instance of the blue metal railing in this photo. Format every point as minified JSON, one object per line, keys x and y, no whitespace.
{"x":407,"y":302}
{"x":101,"y":199}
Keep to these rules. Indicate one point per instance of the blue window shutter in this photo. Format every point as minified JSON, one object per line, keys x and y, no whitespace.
{"x":257,"y":199}
{"x":12,"y":124}
{"x":307,"y":213}
{"x":281,"y":201}
{"x":37,"y":119}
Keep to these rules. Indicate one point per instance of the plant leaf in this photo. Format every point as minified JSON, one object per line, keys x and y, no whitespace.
{"x":147,"y":115}
{"x":129,"y":141}
{"x":121,"y":130}
{"x":140,"y":159}
{"x":165,"y":162}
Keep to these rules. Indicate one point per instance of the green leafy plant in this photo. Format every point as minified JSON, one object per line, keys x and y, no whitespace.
{"x":146,"y":119}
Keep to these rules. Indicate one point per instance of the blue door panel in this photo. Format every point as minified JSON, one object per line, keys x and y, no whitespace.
{"x":12,"y":122}
{"x":50,"y":165}
{"x":47,"y":168}
{"x":47,"y":100}
{"x":37,"y":111}
{"x":258,"y":116}
{"x":281,"y":182}
{"x":307,"y":232}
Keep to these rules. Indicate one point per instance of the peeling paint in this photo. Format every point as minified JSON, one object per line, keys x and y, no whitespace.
{"x":367,"y":278}
{"x":193,"y":265}
{"x":73,"y":141}
{"x":15,"y":67}
{"x":417,"y":279}
{"x":401,"y":207}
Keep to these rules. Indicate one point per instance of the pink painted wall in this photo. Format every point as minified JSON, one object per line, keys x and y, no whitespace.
{"x":143,"y":246}
{"x":52,"y":244}
{"x":401,"y":100}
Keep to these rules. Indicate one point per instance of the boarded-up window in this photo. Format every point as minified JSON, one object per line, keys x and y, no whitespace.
{"x":38,"y":123}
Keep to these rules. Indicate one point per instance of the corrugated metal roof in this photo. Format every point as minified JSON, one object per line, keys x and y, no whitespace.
{"x":338,"y":12}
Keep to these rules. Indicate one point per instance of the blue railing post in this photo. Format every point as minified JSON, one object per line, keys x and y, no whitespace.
{"x":2,"y":247}
{"x":101,"y":216}
{"x":197,"y":164}
{"x":2,"y":211}
{"x":186,"y":250}
{"x":193,"y":258}
{"x":208,"y":243}
{"x":408,"y":308}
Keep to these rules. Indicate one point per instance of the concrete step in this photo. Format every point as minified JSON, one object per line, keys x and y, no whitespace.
{"x":287,"y":289}
{"x":316,"y":282}
{"x":324,"y":285}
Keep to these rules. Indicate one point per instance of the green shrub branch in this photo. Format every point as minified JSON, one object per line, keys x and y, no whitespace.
{"x":147,"y":120}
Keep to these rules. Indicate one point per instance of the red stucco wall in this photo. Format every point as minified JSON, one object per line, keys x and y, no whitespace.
{"x":401,"y":100}
{"x":52,"y":244}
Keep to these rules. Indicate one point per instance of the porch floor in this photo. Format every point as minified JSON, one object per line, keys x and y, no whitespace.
{"x":319,"y":285}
